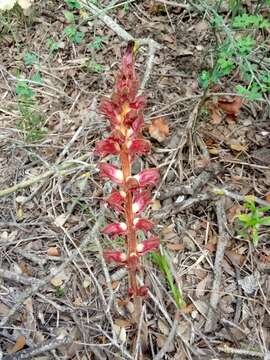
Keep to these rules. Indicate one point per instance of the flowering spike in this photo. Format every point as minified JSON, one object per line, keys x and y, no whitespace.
{"x":124,"y":111}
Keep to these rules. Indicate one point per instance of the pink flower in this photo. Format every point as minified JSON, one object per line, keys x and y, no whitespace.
{"x":135,"y":120}
{"x":115,"y":256}
{"x":111,"y":110}
{"x":111,"y":172}
{"x":143,"y":224}
{"x":140,"y":202}
{"x":114,"y":229}
{"x":148,"y":177}
{"x":107,"y":147}
{"x":139,"y":103}
{"x":116,"y":200}
{"x":139,"y":147}
{"x":148,"y":245}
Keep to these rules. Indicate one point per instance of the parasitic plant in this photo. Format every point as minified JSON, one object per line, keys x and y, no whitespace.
{"x":132,"y":192}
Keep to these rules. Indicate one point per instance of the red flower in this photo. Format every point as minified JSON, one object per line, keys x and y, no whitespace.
{"x":111,"y":172}
{"x":148,"y":245}
{"x":140,"y":202}
{"x":116,"y":200}
{"x":148,"y":177}
{"x":139,"y":103}
{"x":107,"y":147}
{"x":111,"y":110}
{"x":115,"y":229}
{"x":139,"y":147}
{"x":115,"y":256}
{"x":143,"y":224}
{"x":135,"y":120}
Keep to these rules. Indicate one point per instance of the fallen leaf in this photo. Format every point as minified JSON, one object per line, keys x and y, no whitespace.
{"x":19,"y":345}
{"x":216,"y":116}
{"x":120,"y":333}
{"x":231,"y":107}
{"x":155,"y":205}
{"x":53,"y":251}
{"x":159,"y":129}
{"x":236,"y":258}
{"x":239,"y":147}
{"x":267,"y":197}
{"x":175,"y":247}
{"x":60,"y":220}
{"x":123,"y":323}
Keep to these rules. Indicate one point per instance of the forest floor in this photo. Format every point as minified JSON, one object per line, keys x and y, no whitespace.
{"x":58,"y":298}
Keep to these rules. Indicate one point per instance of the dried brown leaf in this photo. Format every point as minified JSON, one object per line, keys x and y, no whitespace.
{"x":159,"y":129}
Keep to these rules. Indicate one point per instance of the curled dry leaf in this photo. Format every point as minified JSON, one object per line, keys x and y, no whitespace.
{"x":159,"y":129}
{"x":231,"y":107}
{"x":53,"y":251}
{"x":19,"y":345}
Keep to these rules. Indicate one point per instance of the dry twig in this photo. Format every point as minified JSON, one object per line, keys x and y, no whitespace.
{"x":221,"y":246}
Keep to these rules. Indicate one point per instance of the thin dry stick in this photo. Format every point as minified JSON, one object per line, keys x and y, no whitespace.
{"x":69,"y":164}
{"x":221,"y":246}
{"x":40,"y":349}
{"x":26,"y":280}
{"x":38,"y":286}
{"x":229,"y":350}
{"x":160,"y":355}
{"x":239,"y":197}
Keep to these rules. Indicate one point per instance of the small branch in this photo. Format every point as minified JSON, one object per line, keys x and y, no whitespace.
{"x":26,"y":280}
{"x":239,"y":197}
{"x":39,"y":349}
{"x":160,"y":355}
{"x":221,"y":246}
{"x":229,"y":350}
{"x":69,"y":164}
{"x":38,"y":286}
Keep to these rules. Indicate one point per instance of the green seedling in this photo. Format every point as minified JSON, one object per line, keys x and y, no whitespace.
{"x":97,"y":42}
{"x":236,"y":51}
{"x":252,"y":221}
{"x":31,"y":121}
{"x":162,"y":262}
{"x":71,"y":31}
{"x":73,"y":4}
{"x":52,"y":45}
{"x":30,"y":59}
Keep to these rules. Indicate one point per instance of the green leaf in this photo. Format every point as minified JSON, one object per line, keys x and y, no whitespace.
{"x":37,"y":78}
{"x":30,"y":59}
{"x":69,"y":16}
{"x":73,"y":4}
{"x":23,"y":90}
{"x":265,"y":221}
{"x":52,"y":45}
{"x":245,"y":218}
